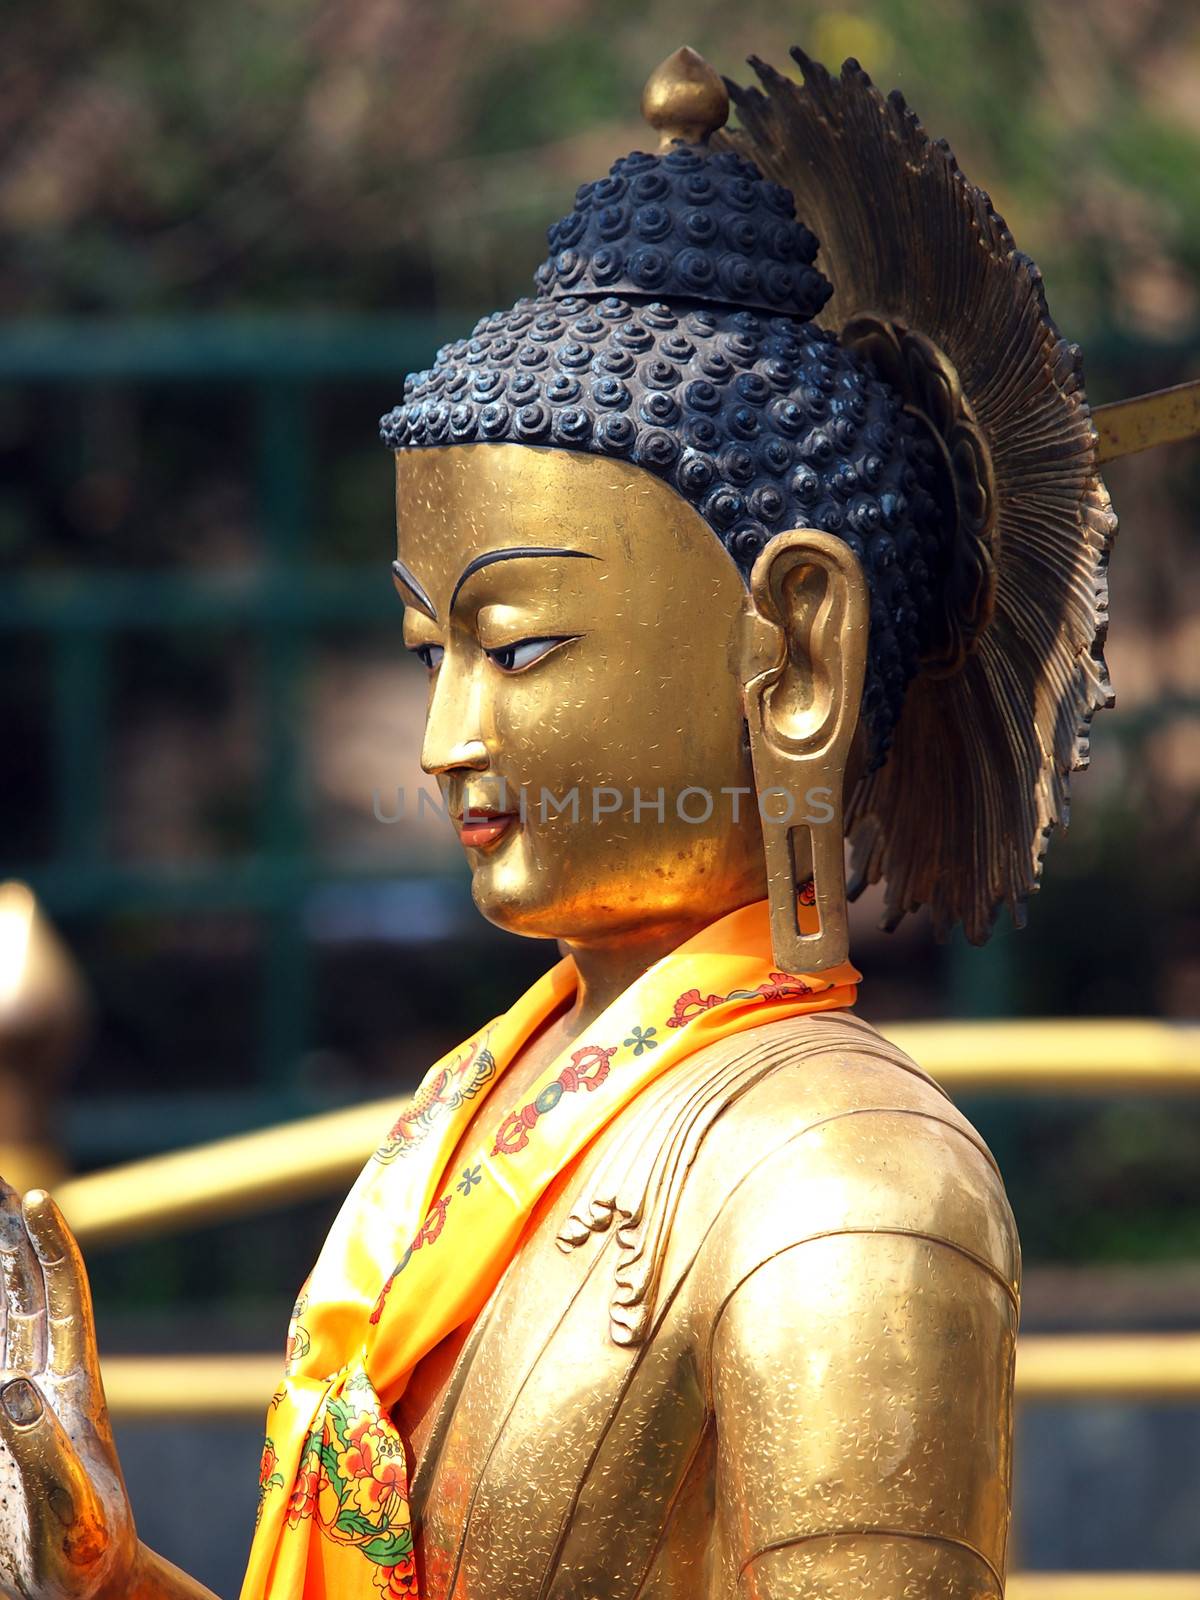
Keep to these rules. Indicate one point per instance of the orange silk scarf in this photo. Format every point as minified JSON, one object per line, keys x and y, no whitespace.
{"x":416,"y":1250}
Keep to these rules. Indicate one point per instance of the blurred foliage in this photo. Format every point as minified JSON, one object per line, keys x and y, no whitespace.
{"x":368,"y":154}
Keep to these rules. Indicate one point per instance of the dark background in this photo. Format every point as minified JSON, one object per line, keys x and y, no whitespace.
{"x":226,"y":232}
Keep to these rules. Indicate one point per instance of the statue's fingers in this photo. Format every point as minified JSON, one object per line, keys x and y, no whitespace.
{"x":67,"y":1530}
{"x":70,"y":1328}
{"x":23,"y":1290}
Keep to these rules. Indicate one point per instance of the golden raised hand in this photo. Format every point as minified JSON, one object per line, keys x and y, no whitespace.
{"x":66,"y":1529}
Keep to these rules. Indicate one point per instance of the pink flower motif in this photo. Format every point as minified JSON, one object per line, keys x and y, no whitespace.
{"x":302,"y":1501}
{"x":399,"y":1581}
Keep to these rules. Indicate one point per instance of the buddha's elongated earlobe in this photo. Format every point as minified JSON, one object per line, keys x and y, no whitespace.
{"x":802,"y":713}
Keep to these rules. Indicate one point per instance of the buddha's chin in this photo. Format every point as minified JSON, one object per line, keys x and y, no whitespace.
{"x":517,"y":901}
{"x":503,"y":889}
{"x":539,"y":905}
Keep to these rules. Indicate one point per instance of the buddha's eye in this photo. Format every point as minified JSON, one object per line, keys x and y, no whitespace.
{"x":430,"y":655}
{"x":514,"y":657}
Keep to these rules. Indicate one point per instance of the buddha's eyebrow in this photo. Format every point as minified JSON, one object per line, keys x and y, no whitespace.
{"x":422,"y":599}
{"x":514,"y":553}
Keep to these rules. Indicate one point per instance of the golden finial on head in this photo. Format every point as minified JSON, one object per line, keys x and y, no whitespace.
{"x":684,"y":98}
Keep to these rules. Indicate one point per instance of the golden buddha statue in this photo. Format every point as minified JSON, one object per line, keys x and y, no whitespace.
{"x":678,"y":1280}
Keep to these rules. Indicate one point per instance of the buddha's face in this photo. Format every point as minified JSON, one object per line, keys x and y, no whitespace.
{"x":583,"y":632}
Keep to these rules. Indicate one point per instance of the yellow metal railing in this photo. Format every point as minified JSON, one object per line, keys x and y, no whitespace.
{"x":319,"y":1155}
{"x":322,"y":1154}
{"x":1156,"y":1367}
{"x":1161,"y":1367}
{"x":228,"y":1178}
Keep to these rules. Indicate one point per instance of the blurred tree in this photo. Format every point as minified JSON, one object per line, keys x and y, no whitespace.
{"x":358,"y":154}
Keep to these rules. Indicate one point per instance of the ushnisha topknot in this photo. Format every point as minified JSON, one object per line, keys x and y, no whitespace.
{"x":686,"y":223}
{"x":671,"y":329}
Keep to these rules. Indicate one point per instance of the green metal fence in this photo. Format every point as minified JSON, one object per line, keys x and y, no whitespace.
{"x":282,"y":601}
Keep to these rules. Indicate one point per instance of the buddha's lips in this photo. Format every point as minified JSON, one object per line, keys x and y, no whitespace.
{"x":481,"y":826}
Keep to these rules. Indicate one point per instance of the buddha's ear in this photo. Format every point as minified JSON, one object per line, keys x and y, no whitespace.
{"x":802,"y":711}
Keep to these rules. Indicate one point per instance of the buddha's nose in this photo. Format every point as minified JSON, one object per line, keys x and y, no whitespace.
{"x":453,"y":738}
{"x":468,"y":754}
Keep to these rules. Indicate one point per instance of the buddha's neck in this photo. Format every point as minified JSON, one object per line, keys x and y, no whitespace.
{"x":607,"y":967}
